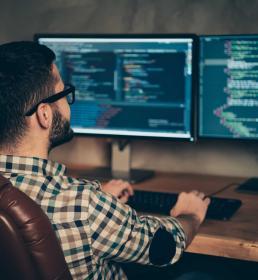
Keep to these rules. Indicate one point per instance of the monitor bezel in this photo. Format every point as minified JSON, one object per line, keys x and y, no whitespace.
{"x":195,"y":79}
{"x":198,"y":114}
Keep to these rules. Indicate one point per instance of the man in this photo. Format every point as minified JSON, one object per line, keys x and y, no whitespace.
{"x":95,"y":228}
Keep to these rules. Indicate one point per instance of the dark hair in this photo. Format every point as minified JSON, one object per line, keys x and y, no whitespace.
{"x":25,"y":79}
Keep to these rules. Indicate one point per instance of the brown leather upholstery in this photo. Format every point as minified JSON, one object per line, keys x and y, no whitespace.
{"x":29,"y":248}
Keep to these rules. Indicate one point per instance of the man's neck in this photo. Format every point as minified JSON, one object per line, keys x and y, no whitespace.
{"x":25,"y":151}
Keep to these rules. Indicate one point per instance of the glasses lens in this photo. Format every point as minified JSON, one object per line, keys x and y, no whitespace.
{"x":70,"y":98}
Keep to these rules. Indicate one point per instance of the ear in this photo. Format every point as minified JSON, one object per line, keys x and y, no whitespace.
{"x":44,"y":115}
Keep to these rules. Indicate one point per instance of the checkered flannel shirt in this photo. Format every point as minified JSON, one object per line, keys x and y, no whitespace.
{"x":95,"y":230}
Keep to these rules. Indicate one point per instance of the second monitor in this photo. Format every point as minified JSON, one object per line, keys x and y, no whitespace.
{"x":228,"y":103}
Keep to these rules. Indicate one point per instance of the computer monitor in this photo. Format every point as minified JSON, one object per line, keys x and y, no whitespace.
{"x":129,"y":85}
{"x":228,"y":99}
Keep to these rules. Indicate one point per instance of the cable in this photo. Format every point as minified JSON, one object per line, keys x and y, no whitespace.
{"x":222,"y":189}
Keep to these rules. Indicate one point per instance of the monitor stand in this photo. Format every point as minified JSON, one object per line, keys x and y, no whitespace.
{"x":120,"y":166}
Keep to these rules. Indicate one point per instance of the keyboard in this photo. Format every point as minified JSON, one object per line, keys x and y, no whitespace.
{"x":161,"y":203}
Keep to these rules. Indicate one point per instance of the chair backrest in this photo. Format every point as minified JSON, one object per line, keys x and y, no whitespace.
{"x":29,"y":248}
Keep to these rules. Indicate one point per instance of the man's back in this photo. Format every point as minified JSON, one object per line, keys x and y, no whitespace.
{"x":93,"y":227}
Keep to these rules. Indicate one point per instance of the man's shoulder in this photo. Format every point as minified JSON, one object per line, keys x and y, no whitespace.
{"x":81,"y":183}
{"x":55,"y":184}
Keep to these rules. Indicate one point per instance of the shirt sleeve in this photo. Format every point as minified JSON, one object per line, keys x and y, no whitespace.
{"x":118,"y":234}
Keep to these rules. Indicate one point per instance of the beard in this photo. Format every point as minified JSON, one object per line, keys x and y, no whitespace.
{"x":61,"y":131}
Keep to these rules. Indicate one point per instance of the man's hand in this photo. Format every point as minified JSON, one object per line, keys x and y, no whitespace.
{"x":190,"y":210}
{"x":193,"y":203}
{"x":119,"y":188}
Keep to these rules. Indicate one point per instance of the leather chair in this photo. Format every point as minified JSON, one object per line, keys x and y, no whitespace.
{"x":29,"y":248}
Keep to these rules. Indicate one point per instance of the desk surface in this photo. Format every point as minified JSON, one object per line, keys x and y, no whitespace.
{"x":236,"y":238}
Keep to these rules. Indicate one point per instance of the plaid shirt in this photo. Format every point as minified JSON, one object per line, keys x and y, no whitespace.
{"x":95,"y":230}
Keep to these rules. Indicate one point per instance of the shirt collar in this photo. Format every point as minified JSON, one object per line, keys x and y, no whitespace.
{"x":30,"y":165}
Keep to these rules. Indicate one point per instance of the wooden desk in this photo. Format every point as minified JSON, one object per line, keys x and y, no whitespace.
{"x":237,"y":238}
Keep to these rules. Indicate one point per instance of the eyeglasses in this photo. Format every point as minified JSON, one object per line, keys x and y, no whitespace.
{"x":69,"y":92}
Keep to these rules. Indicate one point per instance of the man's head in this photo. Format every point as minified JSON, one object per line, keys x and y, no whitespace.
{"x":28,"y":75}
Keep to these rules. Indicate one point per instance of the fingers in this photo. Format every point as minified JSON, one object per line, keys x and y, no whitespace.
{"x":121,"y":189}
{"x":126,"y":191}
{"x":124,"y":186}
{"x":128,"y":187}
{"x":192,"y":203}
{"x":207,"y":201}
{"x":201,"y":195}
{"x":124,"y":196}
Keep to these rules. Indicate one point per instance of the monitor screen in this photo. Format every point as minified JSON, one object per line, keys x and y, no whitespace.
{"x":128,"y":85}
{"x":228,"y":100}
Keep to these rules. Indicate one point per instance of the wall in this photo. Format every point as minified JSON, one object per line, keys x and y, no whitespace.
{"x":21,"y":19}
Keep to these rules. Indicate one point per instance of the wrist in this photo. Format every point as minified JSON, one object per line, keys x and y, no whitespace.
{"x":190,"y":225}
